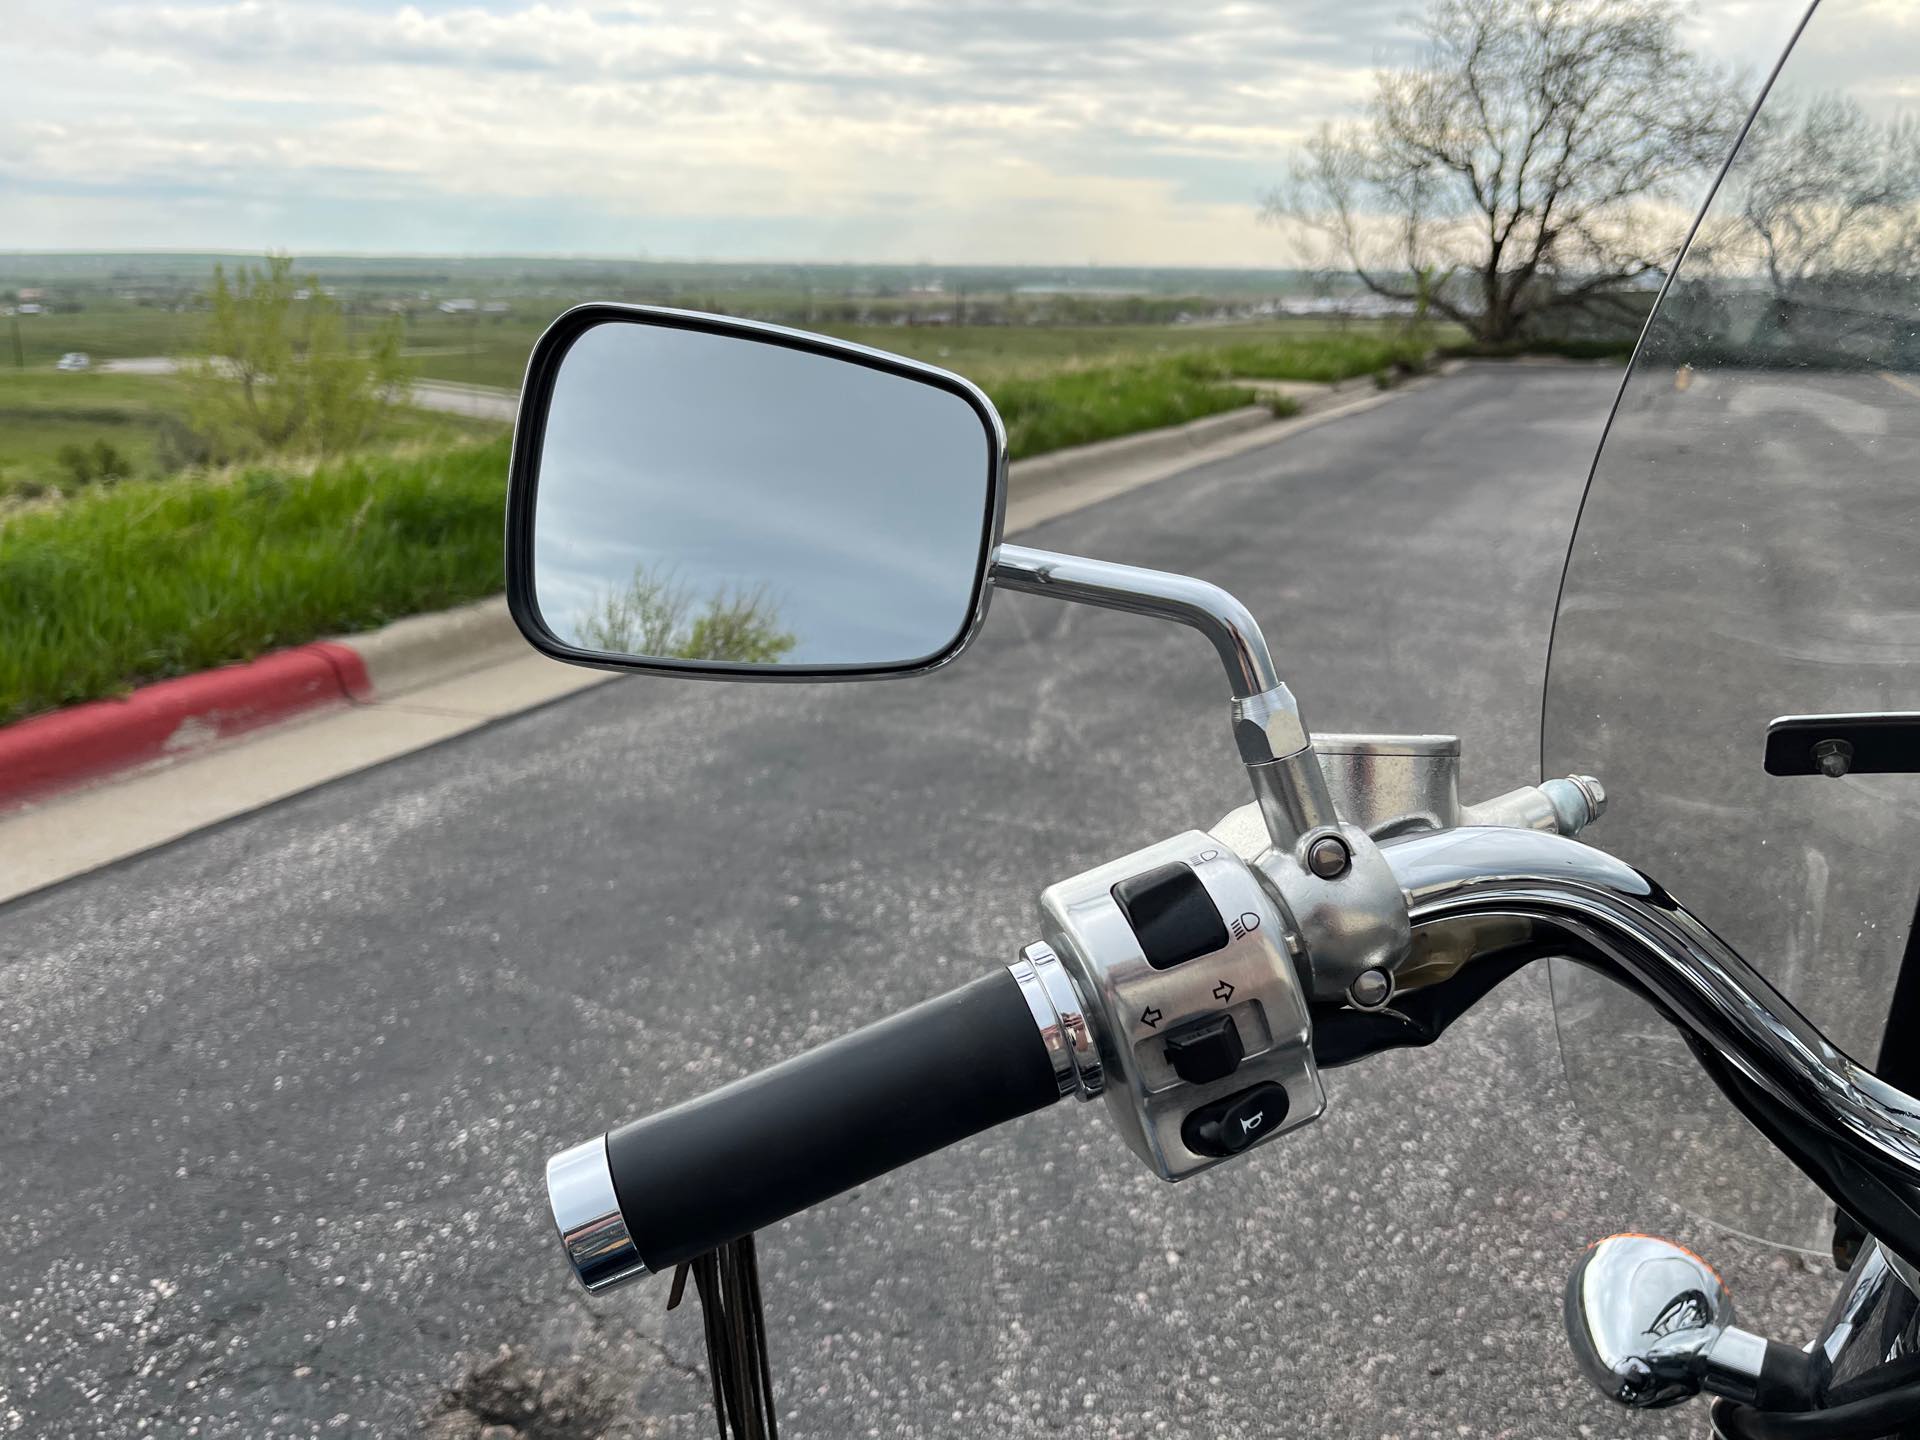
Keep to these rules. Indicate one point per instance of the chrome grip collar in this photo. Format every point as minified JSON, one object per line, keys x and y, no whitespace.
{"x":586,"y":1211}
{"x":1062,"y":1020}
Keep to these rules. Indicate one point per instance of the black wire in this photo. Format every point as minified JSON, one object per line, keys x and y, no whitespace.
{"x":727,"y":1280}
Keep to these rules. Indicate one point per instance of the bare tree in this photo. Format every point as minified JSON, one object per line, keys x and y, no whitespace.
{"x":1535,"y":159}
{"x":1827,"y":195}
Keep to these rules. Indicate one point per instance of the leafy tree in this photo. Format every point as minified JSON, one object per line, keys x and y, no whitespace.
{"x":657,"y":616}
{"x":279,"y":373}
{"x":1536,"y":158}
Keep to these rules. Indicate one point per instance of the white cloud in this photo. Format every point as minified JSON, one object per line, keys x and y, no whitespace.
{"x":1116,"y":130}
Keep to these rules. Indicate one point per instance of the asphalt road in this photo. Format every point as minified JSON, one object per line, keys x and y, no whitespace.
{"x":274,"y":1101}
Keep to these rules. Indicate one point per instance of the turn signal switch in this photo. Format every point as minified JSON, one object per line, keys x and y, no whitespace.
{"x":1651,"y":1324}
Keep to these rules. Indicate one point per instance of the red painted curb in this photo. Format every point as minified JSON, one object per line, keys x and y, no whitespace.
{"x":52,"y":752}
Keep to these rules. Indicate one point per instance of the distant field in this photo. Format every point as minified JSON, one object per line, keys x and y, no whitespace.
{"x":459,"y":345}
{"x":494,"y":351}
{"x":106,"y":331}
{"x":42,"y":411}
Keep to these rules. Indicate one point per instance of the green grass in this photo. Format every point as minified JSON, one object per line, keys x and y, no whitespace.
{"x":156,"y":578}
{"x":1325,"y":358}
{"x":1075,"y":404}
{"x":1077,"y":407}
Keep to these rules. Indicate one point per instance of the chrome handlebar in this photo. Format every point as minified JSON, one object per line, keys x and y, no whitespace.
{"x":1852,"y":1133}
{"x":1088,"y":1015}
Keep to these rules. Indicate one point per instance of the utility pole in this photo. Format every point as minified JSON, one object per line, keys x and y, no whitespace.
{"x":19,"y":350}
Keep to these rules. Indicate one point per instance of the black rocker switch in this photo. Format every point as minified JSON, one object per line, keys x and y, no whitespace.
{"x":1172,"y":915}
{"x":1203,"y":1051}
{"x":1229,"y":1126}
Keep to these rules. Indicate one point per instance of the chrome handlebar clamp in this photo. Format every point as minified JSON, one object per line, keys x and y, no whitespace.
{"x":1205,"y":1042}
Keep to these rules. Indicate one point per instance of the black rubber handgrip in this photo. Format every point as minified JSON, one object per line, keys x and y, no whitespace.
{"x":768,"y":1146}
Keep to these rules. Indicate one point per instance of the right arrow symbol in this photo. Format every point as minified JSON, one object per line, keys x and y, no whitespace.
{"x":1223,"y":992}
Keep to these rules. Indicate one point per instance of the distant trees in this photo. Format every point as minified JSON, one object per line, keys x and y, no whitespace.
{"x":1824,"y":197}
{"x":278,"y":370}
{"x":1536,"y":159}
{"x":655,"y":615}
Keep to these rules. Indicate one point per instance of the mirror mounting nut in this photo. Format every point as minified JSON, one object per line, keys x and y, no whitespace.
{"x":1268,"y":727}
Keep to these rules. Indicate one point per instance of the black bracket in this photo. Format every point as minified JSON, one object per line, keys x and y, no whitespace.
{"x":1886,"y":743}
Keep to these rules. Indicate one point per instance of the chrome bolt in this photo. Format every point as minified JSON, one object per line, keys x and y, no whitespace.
{"x":1834,"y":757}
{"x":1328,"y":857}
{"x":1372,"y":990}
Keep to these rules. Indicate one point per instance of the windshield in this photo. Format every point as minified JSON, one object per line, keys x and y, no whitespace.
{"x":1746,"y":551}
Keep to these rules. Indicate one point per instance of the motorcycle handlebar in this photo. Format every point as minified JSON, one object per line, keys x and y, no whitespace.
{"x":664,"y":1189}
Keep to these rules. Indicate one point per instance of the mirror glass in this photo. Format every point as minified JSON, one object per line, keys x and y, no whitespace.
{"x":715,"y":497}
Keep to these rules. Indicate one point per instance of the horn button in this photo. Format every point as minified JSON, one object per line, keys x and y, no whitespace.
{"x":1229,"y":1126}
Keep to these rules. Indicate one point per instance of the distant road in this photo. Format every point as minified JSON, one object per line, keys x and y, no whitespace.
{"x":148,"y":365}
{"x":479,"y":401}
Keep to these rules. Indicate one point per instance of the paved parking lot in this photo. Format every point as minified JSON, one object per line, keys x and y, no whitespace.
{"x":274,"y":1101}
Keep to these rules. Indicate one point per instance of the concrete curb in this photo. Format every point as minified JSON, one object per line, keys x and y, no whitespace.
{"x":421,"y":649}
{"x":83,"y":742}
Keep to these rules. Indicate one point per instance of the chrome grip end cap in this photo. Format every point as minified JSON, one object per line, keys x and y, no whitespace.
{"x":586,"y":1211}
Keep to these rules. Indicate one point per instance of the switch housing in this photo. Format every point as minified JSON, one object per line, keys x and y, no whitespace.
{"x":1095,"y":923}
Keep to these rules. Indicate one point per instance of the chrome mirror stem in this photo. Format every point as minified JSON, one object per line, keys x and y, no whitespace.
{"x":1206,"y":607}
{"x":1272,"y":738}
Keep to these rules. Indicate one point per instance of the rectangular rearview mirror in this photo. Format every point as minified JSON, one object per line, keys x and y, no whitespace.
{"x":703,"y":495}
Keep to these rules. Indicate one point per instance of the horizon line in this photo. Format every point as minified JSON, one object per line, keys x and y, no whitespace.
{"x":247,"y":253}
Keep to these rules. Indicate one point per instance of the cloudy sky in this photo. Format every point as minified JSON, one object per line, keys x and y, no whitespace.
{"x":1112,"y":131}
